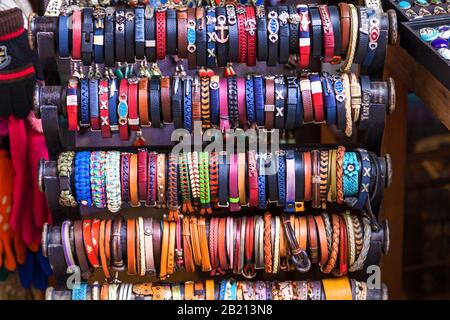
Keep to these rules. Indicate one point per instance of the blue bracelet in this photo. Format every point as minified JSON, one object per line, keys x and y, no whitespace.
{"x":281,"y":179}
{"x":84,"y":103}
{"x":233,"y":290}
{"x":188,"y":104}
{"x":258,"y":89}
{"x":63,"y":36}
{"x":93,"y":98}
{"x":329,"y":99}
{"x":82,"y":178}
{"x":370,"y":53}
{"x":250,"y":99}
{"x":211,"y":40}
{"x":366,"y":168}
{"x":223,"y":288}
{"x":99,"y":40}
{"x":351,"y":174}
{"x":214,"y":101}
{"x":262,"y":200}
{"x":79,"y":292}
{"x":299,"y":109}
{"x":113,"y":101}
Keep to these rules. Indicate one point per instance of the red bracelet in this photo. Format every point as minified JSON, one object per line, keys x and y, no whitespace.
{"x":304,"y":44}
{"x":160,"y":35}
{"x":224,"y":122}
{"x":317,"y":98}
{"x":133,"y":117}
{"x":76,"y":34}
{"x":328,"y":35}
{"x":72,"y":104}
{"x":250,"y":27}
{"x":123,"y":110}
{"x":95,"y":235}
{"x":142,"y":174}
{"x":240,"y":14}
{"x":233,"y":182}
{"x":252,"y":179}
{"x":87,"y":239}
{"x":104,"y":108}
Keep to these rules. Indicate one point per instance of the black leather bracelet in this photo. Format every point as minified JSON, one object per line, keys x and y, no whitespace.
{"x":177,"y":101}
{"x":280,"y":99}
{"x":222,"y":36}
{"x":233,"y":111}
{"x":139,"y":33}
{"x":211,"y":51}
{"x":99,"y":35}
{"x":233,"y":41}
{"x":283,"y":16}
{"x":155,"y":99}
{"x":291,"y":102}
{"x":273,"y":27}
{"x":129,"y":36}
{"x":87,"y":43}
{"x":261,"y":32}
{"x":201,"y":39}
{"x":363,"y":35}
{"x":364,"y":114}
{"x":299,"y":177}
{"x":380,"y":53}
{"x":316,"y":36}
{"x":150,"y":36}
{"x":336,"y":23}
{"x":109,"y":38}
{"x":120,"y":36}
{"x":271,"y":178}
{"x":171,"y":26}
{"x":294,"y":20}
{"x":299,"y":110}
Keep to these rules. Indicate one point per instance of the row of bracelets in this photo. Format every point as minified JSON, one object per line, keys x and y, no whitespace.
{"x":326,"y":289}
{"x":334,"y":244}
{"x":214,"y":36}
{"x":281,"y":102}
{"x":200,"y":181}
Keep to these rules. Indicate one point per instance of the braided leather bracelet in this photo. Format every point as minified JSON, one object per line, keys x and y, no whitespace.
{"x":323,"y":173}
{"x":185,"y":185}
{"x":334,"y":245}
{"x":205,"y":201}
{"x":214,"y":177}
{"x":205,"y":103}
{"x":340,"y":174}
{"x":172,"y":197}
{"x":267,"y":243}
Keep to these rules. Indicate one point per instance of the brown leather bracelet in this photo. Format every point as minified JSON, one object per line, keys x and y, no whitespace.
{"x":157,"y":244}
{"x":131,"y":246}
{"x":196,"y":100}
{"x":205,"y":104}
{"x":344,"y":10}
{"x":103,"y":261}
{"x":187,"y":246}
{"x":161,"y":180}
{"x":340,"y":174}
{"x":134,"y":193}
{"x":203,"y":240}
{"x":322,"y":240}
{"x":303,"y":243}
{"x":267,"y":243}
{"x":108,"y":233}
{"x":166,"y":106}
{"x":148,"y":240}
{"x":334,"y":244}
{"x":118,"y":264}
{"x":171,"y":249}
{"x":223,"y":260}
{"x":313,"y":240}
{"x":195,"y":241}
{"x":191,"y":24}
{"x":269,"y":106}
{"x":182,"y":33}
{"x":144,"y":120}
{"x":305,"y":89}
{"x":315,"y":161}
{"x":164,"y":250}
{"x":80,"y":251}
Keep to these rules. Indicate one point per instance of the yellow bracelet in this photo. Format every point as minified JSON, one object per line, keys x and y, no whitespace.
{"x":353,"y":39}
{"x":348,"y":106}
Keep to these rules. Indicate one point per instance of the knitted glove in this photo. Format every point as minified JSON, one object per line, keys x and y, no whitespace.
{"x":17,"y":73}
{"x":35,"y":271}
{"x":12,"y":247}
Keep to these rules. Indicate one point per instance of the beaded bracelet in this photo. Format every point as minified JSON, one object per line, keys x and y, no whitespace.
{"x":82,"y":181}
{"x":65,"y":161}
{"x":113,"y":190}
{"x":98,"y":175}
{"x":351,"y":174}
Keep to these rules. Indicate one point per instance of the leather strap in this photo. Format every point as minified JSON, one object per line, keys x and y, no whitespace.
{"x":134,"y":193}
{"x":165,"y":100}
{"x":187,"y":246}
{"x":150,"y":36}
{"x":210,"y":289}
{"x":222,"y":241}
{"x":316,"y":35}
{"x":203,"y":240}
{"x":267,"y":243}
{"x":76,"y":34}
{"x":242,"y":36}
{"x":120,"y":35}
{"x":88,"y":245}
{"x":294,"y":20}
{"x":139,"y":32}
{"x":161,"y":180}
{"x":280,"y":99}
{"x":249,"y":268}
{"x":122,"y":110}
{"x":222,"y":36}
{"x":157,"y":237}
{"x":129,"y":36}
{"x":182,"y":33}
{"x":303,"y":224}
{"x":233,"y":32}
{"x":242,"y":182}
{"x":93,"y":104}
{"x":273,"y":27}
{"x":315,"y":161}
{"x":131,"y":246}
{"x":317,"y":98}
{"x":322,"y":240}
{"x":224,"y":123}
{"x":171,"y":249}
{"x":205,"y":102}
{"x":118,"y":263}
{"x":87,"y":36}
{"x":191,"y":38}
{"x":164,"y":250}
{"x":241,"y":103}
{"x":125,"y":176}
{"x":142,"y":174}
{"x":313,"y":239}
{"x":344,"y":10}
{"x":328,"y":33}
{"x":155,"y":102}
{"x":299,"y":182}
{"x":250,"y":27}
{"x":171,"y":24}
{"x":211,"y":55}
{"x":292,"y":101}
{"x":252,"y":179}
{"x":308,"y":175}
{"x":104,"y":230}
{"x":104,"y":108}
{"x":80,"y":250}
{"x":269,"y":106}
{"x":233,"y":102}
{"x":143,"y":103}
{"x":177,"y":102}
{"x":72,"y":104}
{"x":140,"y":247}
{"x":133,"y":119}
{"x":283,"y":33}
{"x":233,"y":185}
{"x":337,"y":289}
{"x":196,"y":100}
{"x":196,"y":247}
{"x":261,"y":33}
{"x":363,"y":35}
{"x":99,"y":36}
{"x":223,"y":181}
{"x":160,"y":18}
{"x":201,"y":36}
{"x":148,"y":240}
{"x":290,"y":181}
{"x":304,"y":47}
{"x":305,"y":88}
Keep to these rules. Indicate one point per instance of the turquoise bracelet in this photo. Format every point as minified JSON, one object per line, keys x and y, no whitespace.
{"x":352,"y":168}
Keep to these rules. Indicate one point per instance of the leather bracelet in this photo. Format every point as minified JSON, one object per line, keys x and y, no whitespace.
{"x":308,"y":175}
{"x":143,"y":103}
{"x":313,"y":239}
{"x":94,"y":105}
{"x":205,"y":200}
{"x":233,"y":33}
{"x":272,"y":28}
{"x":124,"y":176}
{"x":148,"y":244}
{"x":299,"y":182}
{"x":344,"y":10}
{"x":348,"y":106}
{"x":196,"y":248}
{"x":66,"y":244}
{"x":329,"y":99}
{"x":157,"y":237}
{"x":276,"y":244}
{"x":171,"y":249}
{"x":211,"y":56}
{"x":336,"y":23}
{"x":337,"y":289}
{"x":177,"y":101}
{"x":250,"y":100}
{"x":142,"y":174}
{"x":305,"y":88}
{"x":164,"y":250}
{"x":250,"y":28}
{"x":316,"y":35}
{"x":304,"y":47}
{"x":261,"y":26}
{"x":140,"y":247}
{"x":321,"y":232}
{"x":249,"y":269}
{"x":129,"y":36}
{"x":134,"y":192}
{"x":332,"y":176}
{"x":203,"y":239}
{"x":328,"y":33}
{"x":151,"y":179}
{"x":205,"y":102}
{"x":233,"y":102}
{"x":323,"y":173}
{"x":165,"y":100}
{"x":267,"y":243}
{"x":112,"y":105}
{"x":80,"y":249}
{"x":280,"y":98}
{"x":133,"y":117}
{"x":355,"y":93}
{"x":241,"y":103}
{"x":315,"y":159}
{"x":317,"y":98}
{"x":346,"y":65}
{"x":294,"y":20}
{"x":224,"y":122}
{"x":383,"y":40}
{"x":182,"y":33}
{"x":258,"y":88}
{"x":84,"y":105}
{"x":150,"y":34}
{"x":72,"y":104}
{"x":87,"y":36}
{"x":214,"y":177}
{"x":281,"y":178}
{"x":119,"y":35}
{"x":283,"y":33}
{"x":160,"y":20}
{"x":233,"y":197}
{"x":88,"y":244}
{"x":363,"y":36}
{"x":269,"y":106}
{"x":63,"y":36}
{"x":196,"y":103}
{"x":290,"y":181}
{"x":104,"y":240}
{"x":334,"y":246}
{"x":161,"y":181}
{"x":131,"y":246}
{"x":155,"y":102}
{"x":187,"y":103}
{"x":171,"y":24}
{"x":139,"y":32}
{"x":187,"y":246}
{"x":104,"y":108}
{"x":99,"y":36}
{"x":185,"y":184}
{"x":222,"y":36}
{"x":122,"y":110}
{"x":76,"y":34}
{"x":242,"y":34}
{"x":292,"y":100}
{"x":201,"y":36}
